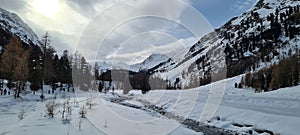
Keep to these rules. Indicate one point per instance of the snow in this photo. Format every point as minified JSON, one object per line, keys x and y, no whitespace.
{"x":237,"y":21}
{"x":34,"y":122}
{"x":103,"y":66}
{"x":218,"y":104}
{"x":277,"y":111}
{"x":152,"y":61}
{"x":105,"y":117}
{"x":110,"y":117}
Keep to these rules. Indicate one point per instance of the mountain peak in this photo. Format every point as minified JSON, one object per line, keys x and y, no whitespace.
{"x":150,"y":62}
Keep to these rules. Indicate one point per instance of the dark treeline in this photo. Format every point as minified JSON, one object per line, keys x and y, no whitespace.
{"x":21,"y":63}
{"x":129,"y":80}
{"x":283,"y":74}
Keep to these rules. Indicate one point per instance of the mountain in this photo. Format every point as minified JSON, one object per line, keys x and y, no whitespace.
{"x":104,"y":66}
{"x":12,"y":24}
{"x":260,"y":37}
{"x":150,"y":62}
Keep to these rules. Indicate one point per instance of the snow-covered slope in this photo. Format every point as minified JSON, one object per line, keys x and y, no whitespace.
{"x":152,"y":61}
{"x":13,"y":24}
{"x":258,"y":38}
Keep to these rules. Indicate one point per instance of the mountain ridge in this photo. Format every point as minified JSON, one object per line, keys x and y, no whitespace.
{"x":14,"y":25}
{"x":255,"y":39}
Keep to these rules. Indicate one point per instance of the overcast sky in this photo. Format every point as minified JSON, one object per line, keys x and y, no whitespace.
{"x":125,"y":30}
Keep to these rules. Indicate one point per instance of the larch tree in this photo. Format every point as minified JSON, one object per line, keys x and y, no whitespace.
{"x":9,"y":57}
{"x":15,"y":62}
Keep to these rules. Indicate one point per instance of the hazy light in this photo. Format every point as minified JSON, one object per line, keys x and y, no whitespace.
{"x":48,"y":8}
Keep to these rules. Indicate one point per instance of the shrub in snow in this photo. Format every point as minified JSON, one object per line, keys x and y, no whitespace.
{"x":50,"y":108}
{"x":21,"y":114}
{"x":67,"y":119}
{"x":75,"y":103}
{"x":82,"y":111}
{"x":105,"y":124}
{"x":90,"y":103}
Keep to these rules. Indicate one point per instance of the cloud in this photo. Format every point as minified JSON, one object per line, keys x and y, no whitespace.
{"x":64,"y":28}
{"x":141,"y":46}
{"x":86,"y":7}
{"x":14,"y":5}
{"x":97,"y":29}
{"x":243,"y":5}
{"x":123,"y":21}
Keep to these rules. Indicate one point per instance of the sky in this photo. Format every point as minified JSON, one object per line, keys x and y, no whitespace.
{"x":125,"y":31}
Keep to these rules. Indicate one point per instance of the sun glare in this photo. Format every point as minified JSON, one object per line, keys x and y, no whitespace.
{"x":48,"y":8}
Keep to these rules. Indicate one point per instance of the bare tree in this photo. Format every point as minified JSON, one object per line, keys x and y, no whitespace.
{"x":80,"y":124}
{"x":90,"y":102}
{"x":75,"y":103}
{"x":67,"y":108}
{"x":63,"y":110}
{"x":66,"y":118}
{"x":21,"y":114}
{"x":50,"y":108}
{"x":82,"y":111}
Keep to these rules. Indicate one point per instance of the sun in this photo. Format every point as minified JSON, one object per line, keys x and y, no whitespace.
{"x":49,"y":8}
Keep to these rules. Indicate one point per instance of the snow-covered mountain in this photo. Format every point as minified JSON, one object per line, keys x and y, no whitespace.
{"x":13,"y":24}
{"x":104,"y":65}
{"x":260,"y":37}
{"x":150,"y":62}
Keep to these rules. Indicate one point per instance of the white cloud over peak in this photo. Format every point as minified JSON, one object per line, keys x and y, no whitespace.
{"x":243,"y":5}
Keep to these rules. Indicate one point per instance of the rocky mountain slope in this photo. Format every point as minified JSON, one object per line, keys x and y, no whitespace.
{"x":11,"y":24}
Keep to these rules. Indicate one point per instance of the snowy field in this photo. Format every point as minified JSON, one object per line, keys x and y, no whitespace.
{"x":239,"y":110}
{"x":100,"y":119}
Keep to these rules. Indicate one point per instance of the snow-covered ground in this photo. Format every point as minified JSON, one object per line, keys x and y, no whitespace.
{"x":276,"y":111}
{"x":104,"y":117}
{"x":230,"y":108}
{"x":35,"y":121}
